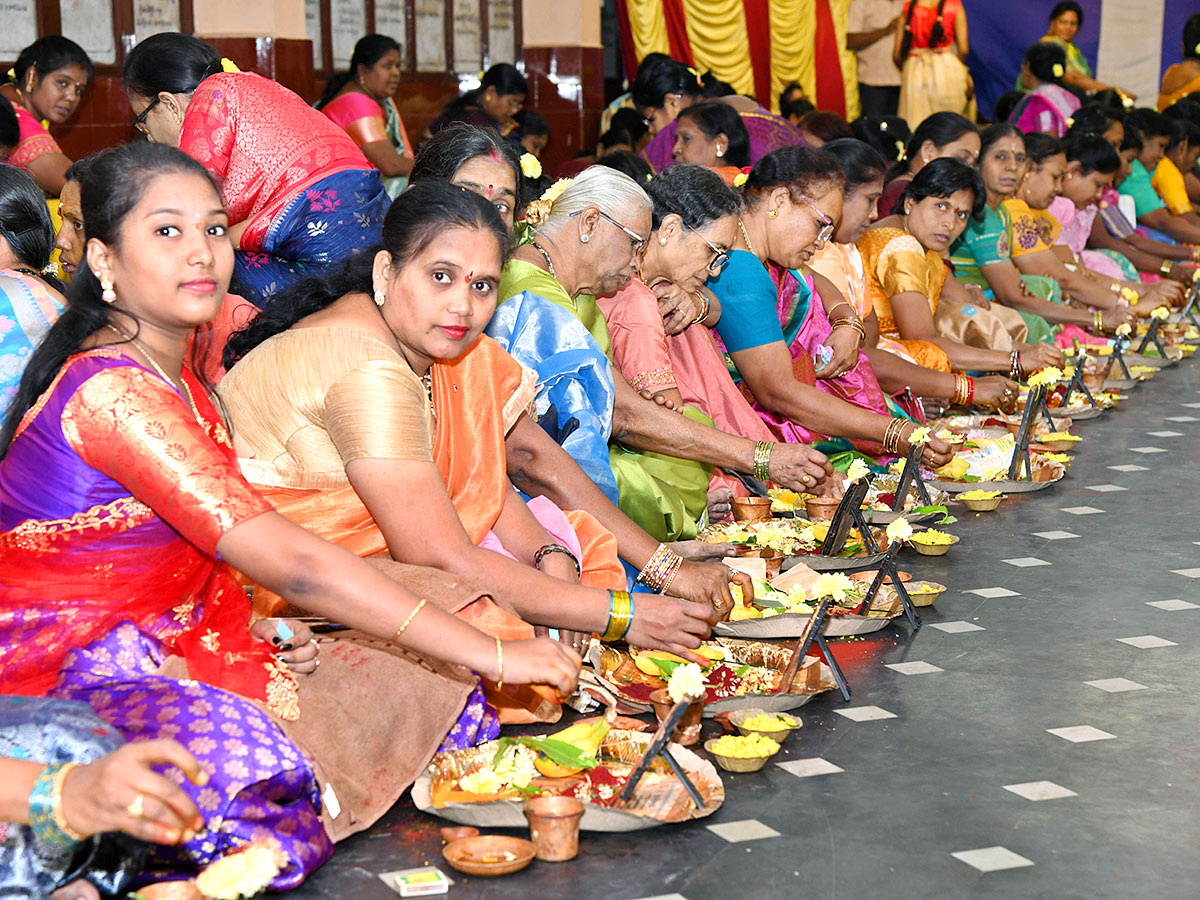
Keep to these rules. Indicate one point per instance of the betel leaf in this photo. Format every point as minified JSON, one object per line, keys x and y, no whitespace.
{"x":556,"y":751}
{"x":946,"y":518}
{"x":666,"y":666}
{"x":768,"y":604}
{"x":528,"y":792}
{"x":742,"y":670}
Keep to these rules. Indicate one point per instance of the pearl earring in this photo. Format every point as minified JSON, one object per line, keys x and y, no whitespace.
{"x":663,"y":241}
{"x":379,"y":298}
{"x":583,"y":238}
{"x":107,"y":294}
{"x":720,"y":153}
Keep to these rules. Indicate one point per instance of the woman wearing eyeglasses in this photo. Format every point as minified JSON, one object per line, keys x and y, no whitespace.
{"x":301,"y":196}
{"x":656,"y":347}
{"x":792,"y":198}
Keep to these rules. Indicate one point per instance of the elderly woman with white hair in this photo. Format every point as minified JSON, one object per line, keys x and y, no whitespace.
{"x":589,"y":238}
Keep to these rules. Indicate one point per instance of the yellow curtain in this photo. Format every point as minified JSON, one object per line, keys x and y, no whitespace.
{"x":841,"y":15}
{"x":716,"y":30}
{"x":649,"y":27}
{"x":793,"y":29}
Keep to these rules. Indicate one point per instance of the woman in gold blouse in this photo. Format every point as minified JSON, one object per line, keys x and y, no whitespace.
{"x":372,"y":411}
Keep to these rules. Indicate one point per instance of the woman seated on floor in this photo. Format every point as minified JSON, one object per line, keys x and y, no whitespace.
{"x":1112,"y":233}
{"x":694,"y":224}
{"x":841,"y":263}
{"x":1033,"y":231}
{"x":575,"y":391}
{"x":378,"y":386}
{"x":588,"y":239}
{"x":983,"y":254}
{"x":112,"y":451}
{"x":908,"y":280}
{"x":791,"y":200}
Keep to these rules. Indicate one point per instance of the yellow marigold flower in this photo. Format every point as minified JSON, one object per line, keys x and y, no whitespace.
{"x":1049,"y":376}
{"x":531,"y":166}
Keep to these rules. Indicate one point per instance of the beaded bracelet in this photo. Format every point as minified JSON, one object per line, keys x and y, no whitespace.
{"x":620,"y":616}
{"x":762,"y":460}
{"x":46,"y":817}
{"x":547,"y":549}
{"x":661,"y":569}
{"x":1014,"y":366}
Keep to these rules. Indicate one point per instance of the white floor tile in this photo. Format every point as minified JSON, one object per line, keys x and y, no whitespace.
{"x":1116,"y":685}
{"x":1147,"y":642}
{"x":1129,"y":467}
{"x":865,"y":713}
{"x":1081,"y":734}
{"x":806,"y":768}
{"x":1026,"y":562}
{"x":956,"y":627}
{"x":992,"y":859}
{"x":1181,"y":419}
{"x":1165,"y":433}
{"x":919,"y":667}
{"x":743,"y":830}
{"x":992,"y":593}
{"x":1104,"y":488}
{"x":1147,"y":450}
{"x":1191,"y":405}
{"x":664,"y":897}
{"x":1081,"y":510}
{"x":1172,"y":605}
{"x":1186,"y":573}
{"x":1055,"y":535}
{"x":1040,"y":790}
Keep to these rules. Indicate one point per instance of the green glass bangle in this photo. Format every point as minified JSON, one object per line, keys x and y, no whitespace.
{"x":42,"y":813}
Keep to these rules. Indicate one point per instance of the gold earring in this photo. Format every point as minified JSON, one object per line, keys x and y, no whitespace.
{"x":772,"y":213}
{"x":107,"y":294}
{"x":379,"y":298}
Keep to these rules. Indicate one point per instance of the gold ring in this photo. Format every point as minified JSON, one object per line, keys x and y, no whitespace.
{"x":136,"y":809}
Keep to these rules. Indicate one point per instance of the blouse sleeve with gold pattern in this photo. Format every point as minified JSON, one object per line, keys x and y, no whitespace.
{"x":377,"y":410}
{"x":128,"y":424}
{"x":902,"y":266}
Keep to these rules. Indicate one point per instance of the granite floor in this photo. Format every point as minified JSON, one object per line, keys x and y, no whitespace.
{"x":1034,"y":740}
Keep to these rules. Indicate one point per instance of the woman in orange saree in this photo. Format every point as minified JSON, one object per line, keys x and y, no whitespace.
{"x":334,"y":422}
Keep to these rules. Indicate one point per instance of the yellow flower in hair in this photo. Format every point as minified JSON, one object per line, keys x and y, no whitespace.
{"x":899,"y":150}
{"x":740,"y":178}
{"x":531,"y":166}
{"x":228,"y":65}
{"x":695,"y":72}
{"x":1058,"y":70}
{"x":1127,"y":101}
{"x":1070,"y":121}
{"x":539,"y":210}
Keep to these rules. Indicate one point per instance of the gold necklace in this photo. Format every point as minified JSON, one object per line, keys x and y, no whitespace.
{"x":546,"y":256}
{"x":157,"y":368}
{"x":745,"y":236}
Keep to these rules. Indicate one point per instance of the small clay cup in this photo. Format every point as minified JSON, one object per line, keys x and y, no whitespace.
{"x":687,"y":732}
{"x":554,"y":827}
{"x":821,"y":509}
{"x":751,"y":509}
{"x":457,"y":832}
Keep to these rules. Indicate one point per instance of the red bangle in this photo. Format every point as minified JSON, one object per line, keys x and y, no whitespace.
{"x":970,"y":390}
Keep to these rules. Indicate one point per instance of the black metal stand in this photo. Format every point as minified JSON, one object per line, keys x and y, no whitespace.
{"x":911,"y":474}
{"x":1152,"y":336}
{"x":658,"y":747}
{"x":1035,"y":398}
{"x":815,"y":634}
{"x":1076,"y":384}
{"x":1118,"y":356}
{"x":1189,"y":308}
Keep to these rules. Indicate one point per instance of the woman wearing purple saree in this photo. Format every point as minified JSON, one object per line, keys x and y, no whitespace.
{"x":661,"y":91}
{"x":122,"y":513}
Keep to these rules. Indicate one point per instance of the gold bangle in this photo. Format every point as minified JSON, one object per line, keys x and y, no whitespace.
{"x":1098,"y":320}
{"x":499,"y":665}
{"x":1165,"y":268}
{"x":56,"y":793}
{"x":412,"y":615}
{"x":762,"y":460}
{"x":620,"y":616}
